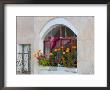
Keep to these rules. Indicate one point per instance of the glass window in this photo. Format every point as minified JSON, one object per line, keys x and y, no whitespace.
{"x":60,"y":36}
{"x":23,"y":58}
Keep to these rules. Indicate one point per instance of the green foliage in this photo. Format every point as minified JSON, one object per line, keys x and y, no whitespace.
{"x":69,"y":60}
{"x":74,"y":54}
{"x":44,"y":62}
{"x":66,"y":59}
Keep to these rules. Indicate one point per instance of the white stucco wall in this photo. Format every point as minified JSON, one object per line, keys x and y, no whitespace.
{"x":29,"y":30}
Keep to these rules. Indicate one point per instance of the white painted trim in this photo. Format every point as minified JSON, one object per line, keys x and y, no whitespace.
{"x":55,"y":21}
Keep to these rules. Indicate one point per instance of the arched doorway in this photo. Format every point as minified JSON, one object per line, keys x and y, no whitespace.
{"x":61,"y":41}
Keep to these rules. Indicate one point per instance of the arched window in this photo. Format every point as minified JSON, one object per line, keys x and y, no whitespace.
{"x":60,"y":37}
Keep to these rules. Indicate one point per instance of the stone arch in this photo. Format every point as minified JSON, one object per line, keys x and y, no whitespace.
{"x":55,"y":21}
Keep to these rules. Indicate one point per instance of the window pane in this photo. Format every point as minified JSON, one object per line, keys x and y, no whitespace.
{"x":26,"y":48}
{"x":19,"y":48}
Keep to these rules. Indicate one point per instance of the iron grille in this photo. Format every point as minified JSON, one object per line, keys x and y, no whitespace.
{"x":23,"y":59}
